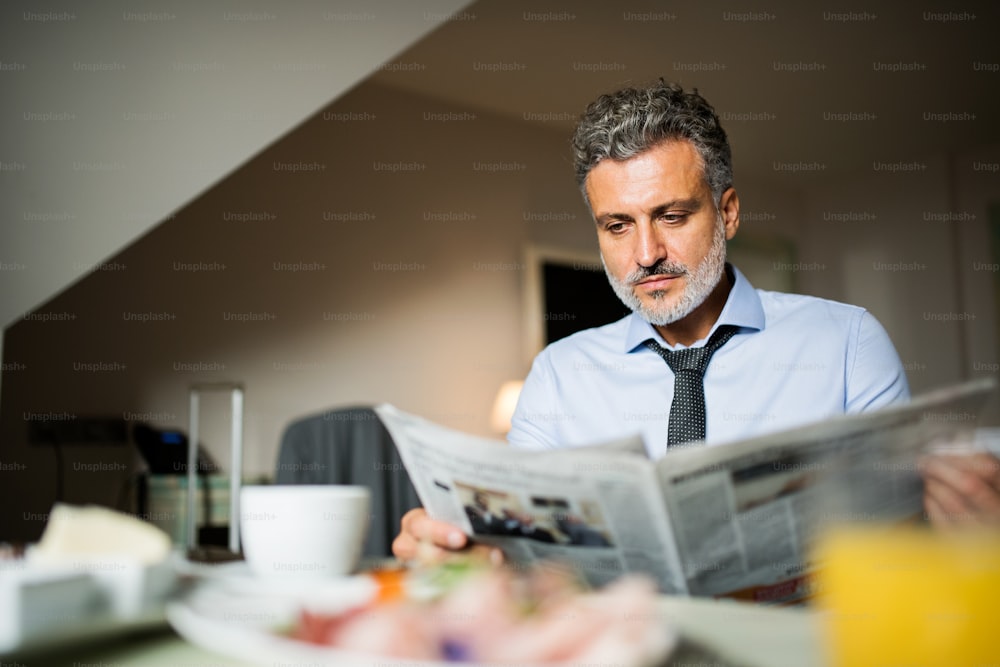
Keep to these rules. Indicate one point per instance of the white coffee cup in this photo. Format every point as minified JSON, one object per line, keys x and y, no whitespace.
{"x":303,"y":530}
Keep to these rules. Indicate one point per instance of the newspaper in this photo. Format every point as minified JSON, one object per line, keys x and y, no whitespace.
{"x":733,"y":520}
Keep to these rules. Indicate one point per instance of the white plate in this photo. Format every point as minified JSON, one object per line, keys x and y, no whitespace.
{"x":242,"y":616}
{"x":244,"y":621}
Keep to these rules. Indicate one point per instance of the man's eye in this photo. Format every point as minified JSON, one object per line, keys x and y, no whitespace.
{"x":616,"y":227}
{"x":673,"y":217}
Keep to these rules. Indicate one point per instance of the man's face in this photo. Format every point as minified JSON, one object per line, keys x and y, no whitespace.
{"x":662,"y":238}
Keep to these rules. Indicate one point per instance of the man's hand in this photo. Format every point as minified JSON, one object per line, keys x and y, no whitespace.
{"x":962,"y":489}
{"x":425,"y":540}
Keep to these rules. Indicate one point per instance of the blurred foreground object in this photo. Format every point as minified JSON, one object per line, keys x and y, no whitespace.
{"x":73,"y":533}
{"x":474,"y":613}
{"x":910,"y":597}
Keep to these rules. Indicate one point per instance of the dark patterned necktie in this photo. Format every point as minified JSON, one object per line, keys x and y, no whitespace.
{"x":687,"y":411}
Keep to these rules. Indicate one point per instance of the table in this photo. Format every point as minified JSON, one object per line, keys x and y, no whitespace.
{"x":747,"y":634}
{"x":716,"y":633}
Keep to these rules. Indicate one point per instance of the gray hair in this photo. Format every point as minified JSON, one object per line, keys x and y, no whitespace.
{"x":625,"y":123}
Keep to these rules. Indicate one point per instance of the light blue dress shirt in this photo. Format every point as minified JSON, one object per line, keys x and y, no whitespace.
{"x":795,"y":359}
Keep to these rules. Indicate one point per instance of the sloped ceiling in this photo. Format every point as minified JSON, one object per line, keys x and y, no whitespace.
{"x":117,"y":113}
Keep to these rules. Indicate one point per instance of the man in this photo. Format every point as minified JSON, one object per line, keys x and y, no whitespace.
{"x":655,"y":168}
{"x":483,"y":520}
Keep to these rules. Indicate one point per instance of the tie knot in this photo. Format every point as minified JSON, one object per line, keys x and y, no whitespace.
{"x":693,"y":358}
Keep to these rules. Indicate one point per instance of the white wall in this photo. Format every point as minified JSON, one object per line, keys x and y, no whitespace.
{"x":977,"y":204}
{"x":872,"y":247}
{"x":903,"y":245}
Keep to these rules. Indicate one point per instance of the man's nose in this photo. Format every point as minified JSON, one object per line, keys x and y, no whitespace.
{"x":651,"y":247}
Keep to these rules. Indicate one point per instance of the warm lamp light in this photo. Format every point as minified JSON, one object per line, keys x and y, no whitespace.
{"x":503,"y":406}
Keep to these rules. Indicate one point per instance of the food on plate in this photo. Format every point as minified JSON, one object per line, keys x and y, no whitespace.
{"x":469,"y":612}
{"x":92,"y":531}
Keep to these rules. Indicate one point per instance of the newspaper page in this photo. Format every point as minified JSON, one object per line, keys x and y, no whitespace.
{"x":598,"y":507}
{"x":746,"y":513}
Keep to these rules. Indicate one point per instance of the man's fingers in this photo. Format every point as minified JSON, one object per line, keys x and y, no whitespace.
{"x":428,"y":541}
{"x":935,"y":513}
{"x":491,"y":554}
{"x":423,"y":539}
{"x":964,"y":488}
{"x":423,"y":528}
{"x":403,"y":547}
{"x":970,"y":477}
{"x":981,"y":465}
{"x":944,"y":506}
{"x":407,"y":549}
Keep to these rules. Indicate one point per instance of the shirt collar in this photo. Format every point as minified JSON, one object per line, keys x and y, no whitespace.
{"x":743,"y":309}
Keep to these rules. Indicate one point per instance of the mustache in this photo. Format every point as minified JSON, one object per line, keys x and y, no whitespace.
{"x":663,"y":267}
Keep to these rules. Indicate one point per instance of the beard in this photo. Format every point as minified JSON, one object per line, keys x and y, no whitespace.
{"x":698,"y":284}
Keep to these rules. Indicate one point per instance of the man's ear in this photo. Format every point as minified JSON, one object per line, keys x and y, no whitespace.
{"x":729,"y":209}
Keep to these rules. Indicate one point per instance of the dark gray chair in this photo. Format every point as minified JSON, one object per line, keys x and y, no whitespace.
{"x":351,"y":446}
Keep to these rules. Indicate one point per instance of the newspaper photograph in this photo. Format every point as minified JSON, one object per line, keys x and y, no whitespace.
{"x":597,"y":507}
